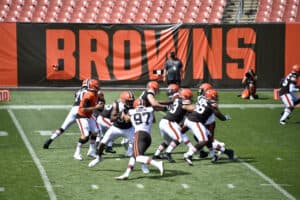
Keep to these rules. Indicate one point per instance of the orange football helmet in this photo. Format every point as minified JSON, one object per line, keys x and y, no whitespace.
{"x":93,"y":85}
{"x":138,"y":102}
{"x":127,"y":97}
{"x":172,"y":89}
{"x":186,"y":93}
{"x":153,"y":85}
{"x":296,"y":68}
{"x":211,"y":94}
{"x":203,"y":88}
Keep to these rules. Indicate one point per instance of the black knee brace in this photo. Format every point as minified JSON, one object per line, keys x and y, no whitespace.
{"x":83,"y":141}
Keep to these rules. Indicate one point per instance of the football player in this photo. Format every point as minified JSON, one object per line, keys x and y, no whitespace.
{"x":196,"y":120}
{"x":287,"y":93}
{"x":249,"y":81}
{"x":120,"y":126}
{"x":141,"y":118}
{"x":85,"y":120}
{"x":213,"y":144}
{"x":104,"y":122}
{"x":148,"y":96}
{"x":71,"y":117}
{"x":170,"y":128}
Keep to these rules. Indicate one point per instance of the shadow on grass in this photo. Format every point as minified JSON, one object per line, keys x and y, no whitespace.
{"x":154,"y":174}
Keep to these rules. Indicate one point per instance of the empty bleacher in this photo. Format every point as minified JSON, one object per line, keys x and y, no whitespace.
{"x":112,"y":11}
{"x":149,"y":11}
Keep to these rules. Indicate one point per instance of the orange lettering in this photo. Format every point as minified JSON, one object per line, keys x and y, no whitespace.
{"x":157,"y":55}
{"x":127,"y":68}
{"x":212,"y":55}
{"x":60,"y":52}
{"x":234,"y":51}
{"x":93,"y":54}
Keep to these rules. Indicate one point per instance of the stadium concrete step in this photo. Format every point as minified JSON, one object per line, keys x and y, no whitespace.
{"x":240,"y":11}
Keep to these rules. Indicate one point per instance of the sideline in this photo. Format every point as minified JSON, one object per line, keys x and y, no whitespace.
{"x":38,"y":107}
{"x":268,"y":179}
{"x":36,"y":160}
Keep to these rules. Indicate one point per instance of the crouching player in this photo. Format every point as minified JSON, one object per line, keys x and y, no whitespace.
{"x":141,"y":118}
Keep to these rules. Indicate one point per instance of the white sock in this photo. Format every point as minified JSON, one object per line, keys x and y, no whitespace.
{"x":285,"y":115}
{"x":78,"y":147}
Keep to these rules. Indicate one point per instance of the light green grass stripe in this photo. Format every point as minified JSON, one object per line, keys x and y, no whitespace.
{"x":30,"y":107}
{"x":35,"y":158}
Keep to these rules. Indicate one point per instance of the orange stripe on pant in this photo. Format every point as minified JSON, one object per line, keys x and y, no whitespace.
{"x":136,"y":145}
{"x":201,"y":132}
{"x":174,"y":131}
{"x":80,"y":127}
{"x":288,"y":100}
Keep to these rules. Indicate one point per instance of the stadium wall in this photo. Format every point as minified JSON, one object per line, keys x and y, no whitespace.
{"x":40,"y":54}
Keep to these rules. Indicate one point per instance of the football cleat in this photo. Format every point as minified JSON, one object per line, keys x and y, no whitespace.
{"x":188,"y":159}
{"x":77,"y":156}
{"x":47,"y":143}
{"x":158,"y":157}
{"x":145,"y":169}
{"x":122,"y":177}
{"x":229,"y":153}
{"x":94,"y":162}
{"x":282,"y":122}
{"x":203,"y":154}
{"x":91,"y":153}
{"x":168,"y":157}
{"x":110,"y":150}
{"x":214,"y":159}
{"x":161,"y":168}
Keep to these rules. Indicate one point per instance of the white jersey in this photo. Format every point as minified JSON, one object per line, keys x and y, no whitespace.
{"x":142,"y":118}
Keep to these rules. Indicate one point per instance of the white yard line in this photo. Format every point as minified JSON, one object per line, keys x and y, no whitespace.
{"x":36,"y":160}
{"x":38,"y":107}
{"x":269,"y":180}
{"x":3,"y":133}
{"x":140,"y":186}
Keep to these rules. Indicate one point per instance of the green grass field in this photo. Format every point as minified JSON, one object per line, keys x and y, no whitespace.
{"x":267,"y":167}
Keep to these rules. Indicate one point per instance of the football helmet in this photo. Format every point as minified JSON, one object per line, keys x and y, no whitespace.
{"x":296,"y":69}
{"x":93,"y":85}
{"x":153,"y":85}
{"x":203,"y":88}
{"x":172,"y":89}
{"x":138,"y":102}
{"x":186,"y":93}
{"x":127,"y":97}
{"x":211,"y":94}
{"x":85,"y":83}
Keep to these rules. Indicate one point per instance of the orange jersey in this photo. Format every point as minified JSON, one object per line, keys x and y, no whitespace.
{"x":89,"y":99}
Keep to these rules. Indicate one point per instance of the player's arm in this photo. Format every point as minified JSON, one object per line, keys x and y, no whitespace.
{"x":114,"y":112}
{"x":155,"y":104}
{"x":244,"y":80}
{"x":220,"y":115}
{"x":188,"y":107}
{"x":87,"y":105}
{"x":166,"y":102}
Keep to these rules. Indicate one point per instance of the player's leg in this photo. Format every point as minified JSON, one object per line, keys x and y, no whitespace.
{"x":83,"y":125}
{"x":142,"y":142}
{"x":70,"y":119}
{"x":289,"y":106}
{"x":173,"y":130}
{"x":201,"y":134}
{"x":167,"y":140}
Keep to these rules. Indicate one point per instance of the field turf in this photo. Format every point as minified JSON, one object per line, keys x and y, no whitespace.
{"x":267,"y":165}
